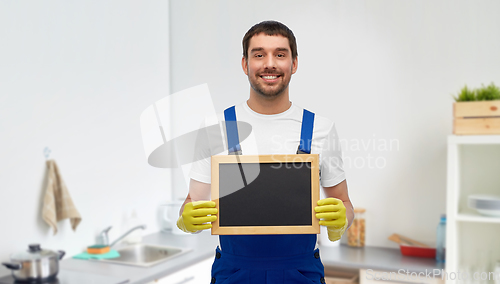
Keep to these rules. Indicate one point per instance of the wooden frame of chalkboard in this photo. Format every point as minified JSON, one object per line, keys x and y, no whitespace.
{"x":265,"y":194}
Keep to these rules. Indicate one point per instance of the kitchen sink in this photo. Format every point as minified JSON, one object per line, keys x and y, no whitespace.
{"x":145,"y":255}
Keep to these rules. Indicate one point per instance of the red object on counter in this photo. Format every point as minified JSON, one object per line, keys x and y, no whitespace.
{"x":418,"y":251}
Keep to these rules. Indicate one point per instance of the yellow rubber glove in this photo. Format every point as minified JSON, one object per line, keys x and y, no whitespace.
{"x":195,"y":216}
{"x":332,"y":214}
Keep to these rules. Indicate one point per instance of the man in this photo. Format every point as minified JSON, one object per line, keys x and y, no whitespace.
{"x":269,"y":60}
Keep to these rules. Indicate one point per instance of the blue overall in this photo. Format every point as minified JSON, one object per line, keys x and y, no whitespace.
{"x":269,"y":259}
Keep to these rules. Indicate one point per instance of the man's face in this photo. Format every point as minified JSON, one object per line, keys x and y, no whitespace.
{"x":269,"y":66}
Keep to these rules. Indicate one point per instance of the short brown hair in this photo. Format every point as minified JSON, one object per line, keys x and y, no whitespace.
{"x":270,"y":28}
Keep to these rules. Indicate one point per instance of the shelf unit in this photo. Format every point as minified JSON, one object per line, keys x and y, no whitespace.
{"x":467,"y":232}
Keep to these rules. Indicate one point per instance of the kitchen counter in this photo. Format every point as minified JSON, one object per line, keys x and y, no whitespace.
{"x":203,"y":246}
{"x":375,"y":258}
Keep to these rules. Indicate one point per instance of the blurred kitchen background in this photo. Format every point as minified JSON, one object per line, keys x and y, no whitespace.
{"x":75,"y":77}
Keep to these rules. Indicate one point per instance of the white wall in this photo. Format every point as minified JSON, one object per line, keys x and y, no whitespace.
{"x":75,"y":76}
{"x":383,"y":70}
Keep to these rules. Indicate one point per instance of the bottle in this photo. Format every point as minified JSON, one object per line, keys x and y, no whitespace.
{"x":356,"y":233}
{"x":441,"y":240}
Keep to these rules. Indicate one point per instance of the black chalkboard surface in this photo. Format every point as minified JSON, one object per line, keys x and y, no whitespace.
{"x":265,"y":194}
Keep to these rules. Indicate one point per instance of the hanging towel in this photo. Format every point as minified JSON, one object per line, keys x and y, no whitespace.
{"x":57,"y":203}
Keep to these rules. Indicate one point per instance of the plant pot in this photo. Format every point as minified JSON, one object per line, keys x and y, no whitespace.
{"x":476,"y":118}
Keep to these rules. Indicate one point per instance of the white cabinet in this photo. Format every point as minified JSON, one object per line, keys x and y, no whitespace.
{"x":472,"y":240}
{"x":199,"y":273}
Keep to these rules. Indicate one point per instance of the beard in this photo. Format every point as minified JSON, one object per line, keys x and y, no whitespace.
{"x":267,"y":91}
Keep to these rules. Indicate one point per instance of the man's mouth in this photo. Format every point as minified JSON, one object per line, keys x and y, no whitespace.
{"x":270,"y":78}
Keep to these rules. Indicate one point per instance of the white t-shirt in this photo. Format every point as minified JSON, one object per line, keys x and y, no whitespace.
{"x":273,"y":134}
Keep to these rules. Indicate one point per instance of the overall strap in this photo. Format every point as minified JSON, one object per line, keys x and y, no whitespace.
{"x":233,"y":140}
{"x":306,"y":133}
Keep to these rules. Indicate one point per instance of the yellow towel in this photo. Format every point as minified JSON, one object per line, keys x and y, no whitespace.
{"x":57,"y":203}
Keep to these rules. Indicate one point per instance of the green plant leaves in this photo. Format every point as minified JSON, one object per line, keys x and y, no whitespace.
{"x":466,"y":95}
{"x":489,"y":93}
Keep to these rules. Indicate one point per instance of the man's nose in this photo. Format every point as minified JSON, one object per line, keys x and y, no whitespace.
{"x":270,"y":62}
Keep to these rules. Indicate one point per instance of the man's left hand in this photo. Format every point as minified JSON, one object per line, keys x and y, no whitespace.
{"x":332,"y":214}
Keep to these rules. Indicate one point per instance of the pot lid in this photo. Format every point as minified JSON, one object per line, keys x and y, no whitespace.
{"x":33,"y":253}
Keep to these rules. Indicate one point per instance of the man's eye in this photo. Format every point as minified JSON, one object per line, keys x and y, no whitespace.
{"x":258,"y":55}
{"x":281,"y":55}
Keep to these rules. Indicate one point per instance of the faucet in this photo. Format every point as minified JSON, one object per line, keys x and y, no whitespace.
{"x":103,"y":238}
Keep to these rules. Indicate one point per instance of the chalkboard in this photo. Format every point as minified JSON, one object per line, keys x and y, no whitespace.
{"x":265,"y":194}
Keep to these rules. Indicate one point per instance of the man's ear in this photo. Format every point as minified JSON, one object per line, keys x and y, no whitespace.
{"x":244,"y":65}
{"x":295,"y":65}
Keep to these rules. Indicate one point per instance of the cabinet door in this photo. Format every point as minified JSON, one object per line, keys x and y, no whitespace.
{"x":199,"y":273}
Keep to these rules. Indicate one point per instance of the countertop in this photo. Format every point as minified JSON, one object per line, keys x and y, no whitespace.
{"x":376,"y":258}
{"x":203,"y":246}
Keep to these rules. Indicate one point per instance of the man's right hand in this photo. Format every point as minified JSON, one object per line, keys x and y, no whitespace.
{"x":196,"y":216}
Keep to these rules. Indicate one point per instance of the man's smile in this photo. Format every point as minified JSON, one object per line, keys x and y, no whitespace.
{"x":270,"y":78}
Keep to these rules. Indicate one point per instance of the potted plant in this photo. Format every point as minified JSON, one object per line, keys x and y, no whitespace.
{"x":477,"y":111}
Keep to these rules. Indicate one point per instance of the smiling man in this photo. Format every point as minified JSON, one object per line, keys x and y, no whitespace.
{"x":269,"y":63}
{"x":269,"y":60}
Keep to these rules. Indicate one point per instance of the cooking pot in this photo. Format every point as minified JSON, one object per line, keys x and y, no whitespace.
{"x":35,"y":265}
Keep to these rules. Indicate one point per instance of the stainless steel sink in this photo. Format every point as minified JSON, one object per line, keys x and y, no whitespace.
{"x":145,"y":255}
